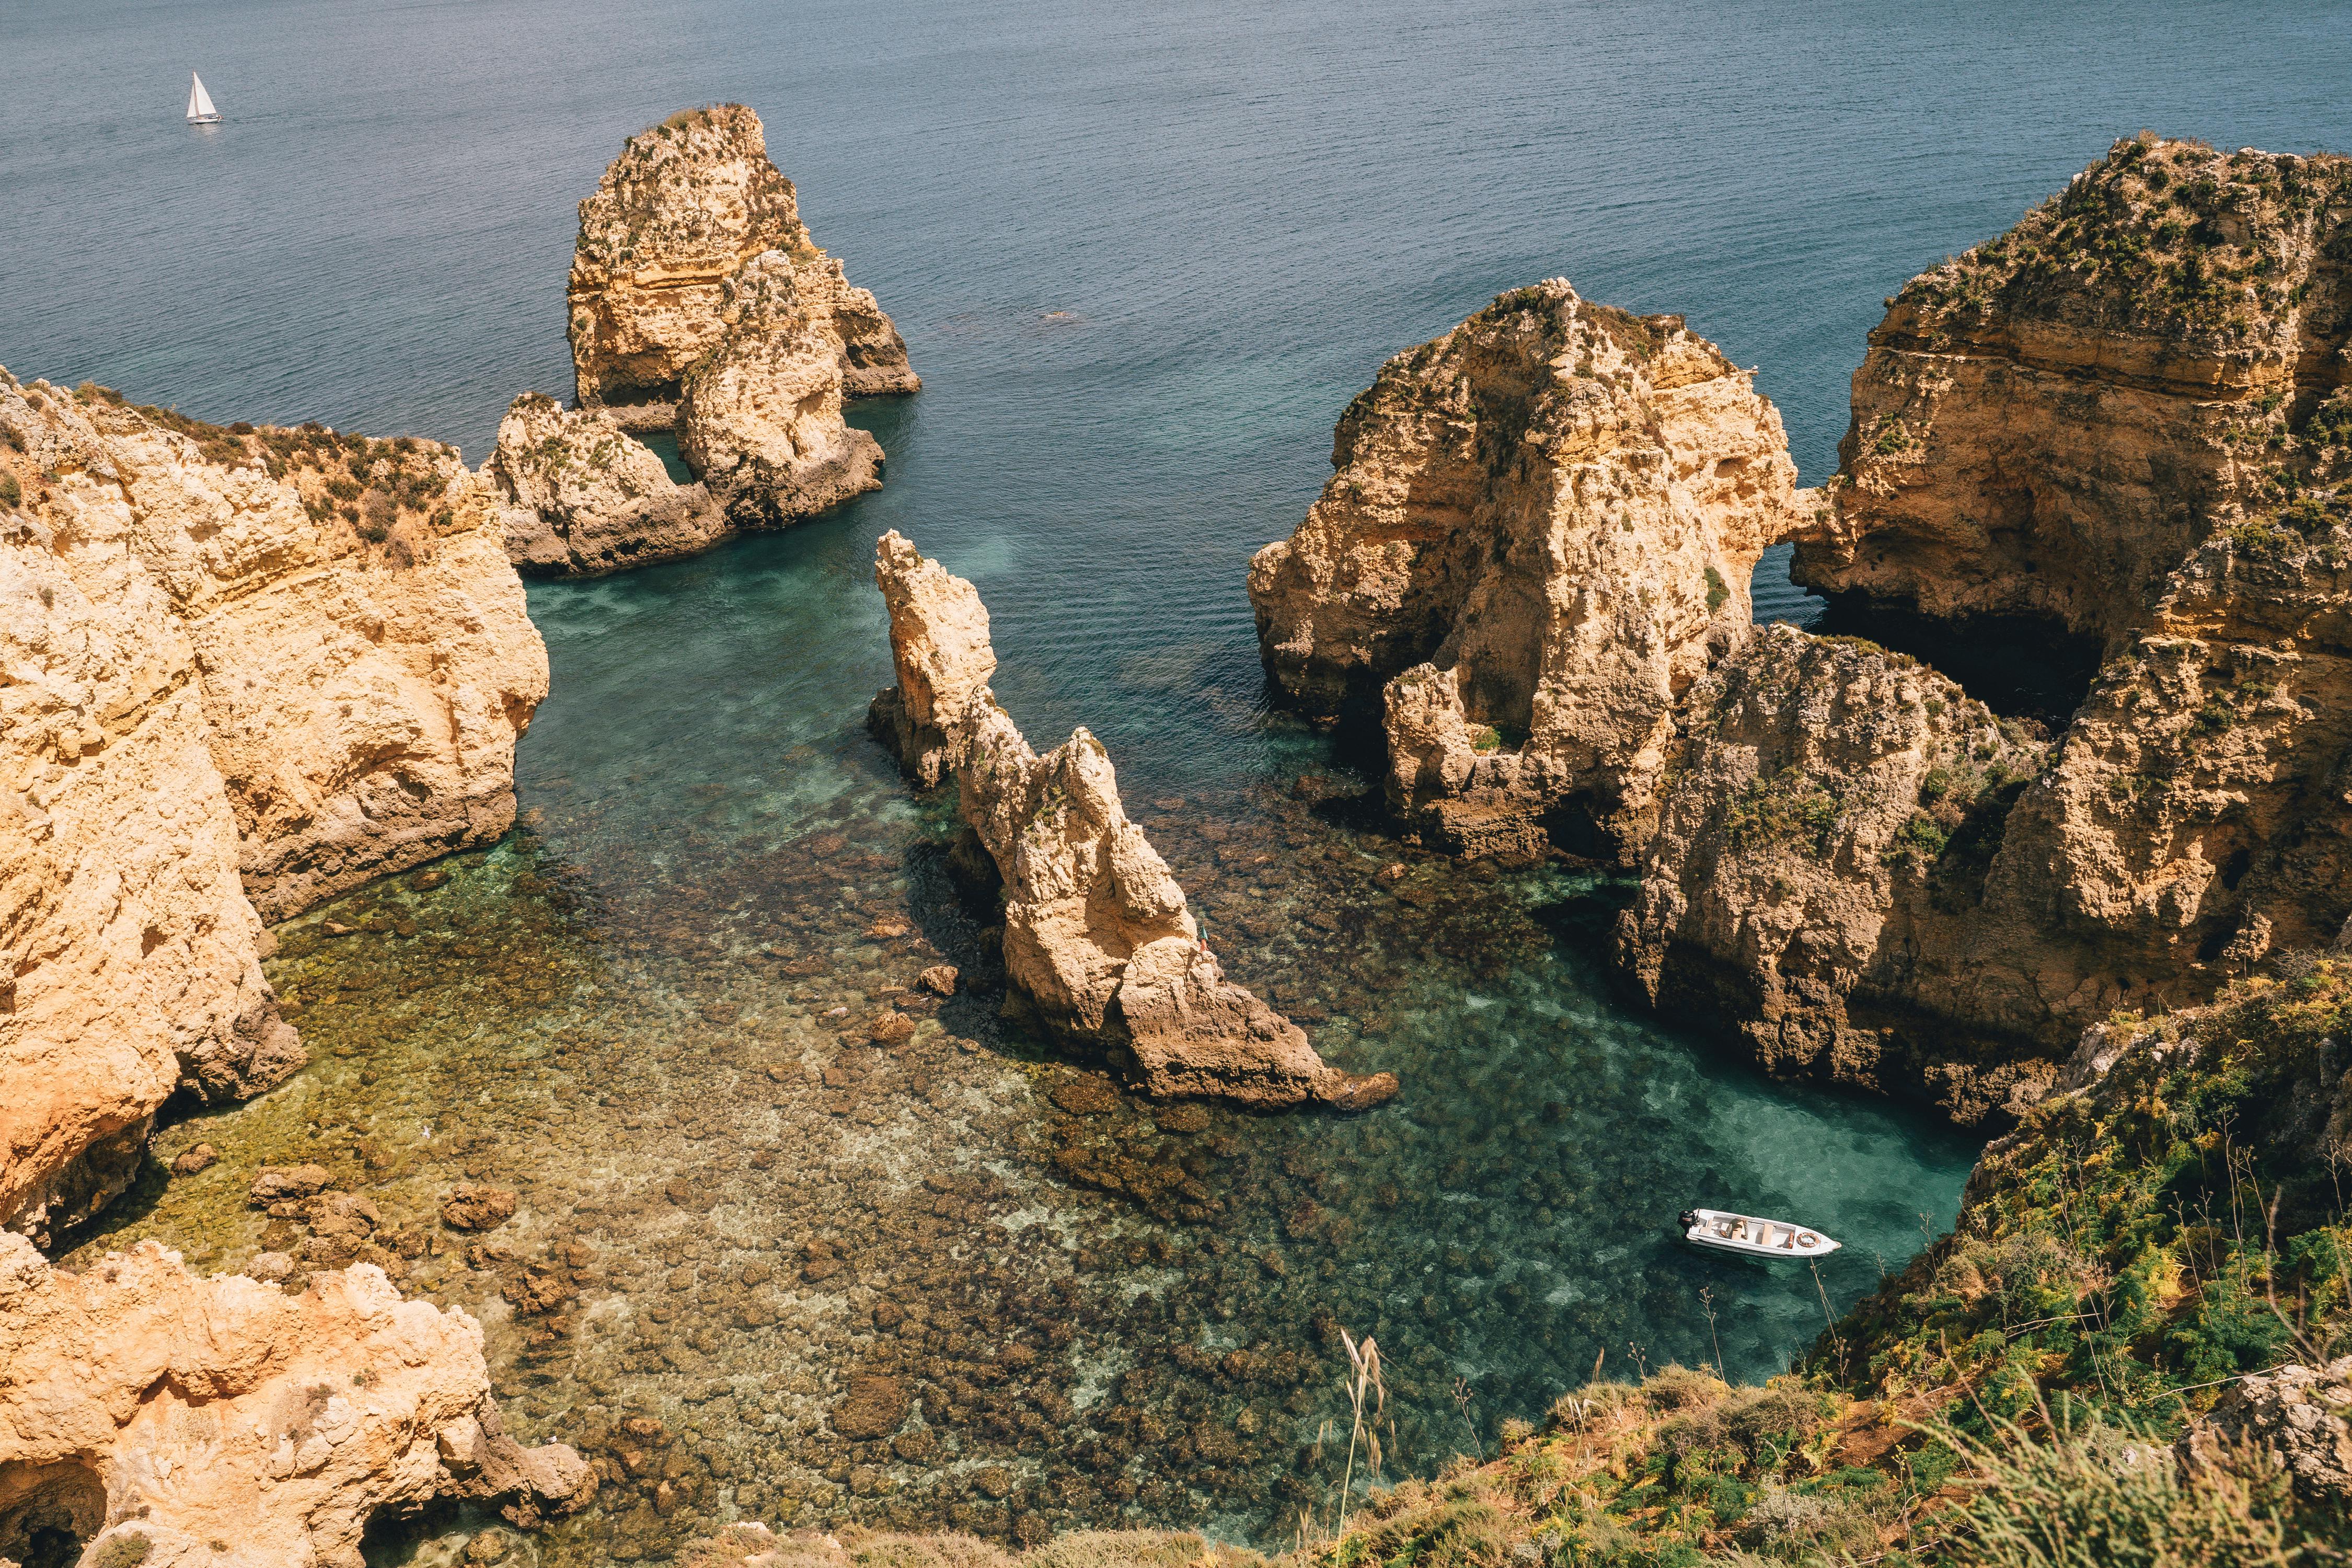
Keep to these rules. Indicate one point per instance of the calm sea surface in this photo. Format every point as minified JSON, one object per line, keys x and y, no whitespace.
{"x":1143,"y":257}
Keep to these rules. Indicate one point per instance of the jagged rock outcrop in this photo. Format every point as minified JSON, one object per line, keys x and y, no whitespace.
{"x":1828,"y":824}
{"x":2044,"y":426}
{"x":577,"y":495}
{"x":1540,"y":532}
{"x":246,"y":671}
{"x":1097,"y":940}
{"x":157,"y":1417}
{"x":760,"y":419}
{"x":2296,"y":1411}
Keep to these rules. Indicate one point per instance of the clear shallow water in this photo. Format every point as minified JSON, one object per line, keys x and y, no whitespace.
{"x":1142,"y":261}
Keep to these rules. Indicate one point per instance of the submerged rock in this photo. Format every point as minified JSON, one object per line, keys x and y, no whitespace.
{"x":1540,"y":533}
{"x":1097,"y":936}
{"x":151,"y":1414}
{"x":579,"y":495}
{"x":259,"y":666}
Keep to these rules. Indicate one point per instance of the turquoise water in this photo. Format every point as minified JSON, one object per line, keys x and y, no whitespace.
{"x":1142,"y":260}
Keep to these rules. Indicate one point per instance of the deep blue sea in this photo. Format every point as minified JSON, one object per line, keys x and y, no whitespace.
{"x":1143,"y":257}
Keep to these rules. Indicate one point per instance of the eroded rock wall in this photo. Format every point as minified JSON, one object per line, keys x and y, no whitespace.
{"x":2044,"y":426}
{"x":189,"y":1418}
{"x":1097,"y":938}
{"x":1830,"y":817}
{"x":579,"y":496}
{"x":1540,"y":532}
{"x":247,"y":670}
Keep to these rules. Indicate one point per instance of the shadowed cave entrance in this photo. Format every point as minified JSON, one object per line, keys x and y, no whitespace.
{"x":47,"y":1513}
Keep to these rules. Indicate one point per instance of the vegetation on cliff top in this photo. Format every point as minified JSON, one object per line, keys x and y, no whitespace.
{"x":2171,"y":238}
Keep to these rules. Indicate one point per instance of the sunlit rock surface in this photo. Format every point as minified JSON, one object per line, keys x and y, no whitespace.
{"x":577,"y":495}
{"x":1096,"y":935}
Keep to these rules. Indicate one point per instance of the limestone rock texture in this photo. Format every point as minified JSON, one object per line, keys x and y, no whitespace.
{"x":1540,"y":535}
{"x":579,"y":496}
{"x":760,"y":419}
{"x":139,"y":1403}
{"x":246,"y":671}
{"x":1097,"y":940}
{"x":1830,"y":818}
{"x":2044,"y":426}
{"x":700,"y":305}
{"x":2296,"y":1412}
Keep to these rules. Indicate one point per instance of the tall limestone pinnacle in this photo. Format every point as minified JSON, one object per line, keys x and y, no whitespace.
{"x":1540,"y":532}
{"x":1098,"y":938}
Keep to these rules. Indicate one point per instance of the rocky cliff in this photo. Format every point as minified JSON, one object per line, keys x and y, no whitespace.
{"x":1098,"y":941}
{"x":700,"y":304}
{"x":1829,"y":819}
{"x":577,"y":495}
{"x":1540,"y":532}
{"x":154,"y":1417}
{"x":246,"y":669}
{"x":2045,"y":426}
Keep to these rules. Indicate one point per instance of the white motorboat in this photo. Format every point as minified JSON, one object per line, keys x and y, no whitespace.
{"x":200,"y":104}
{"x":1752,"y":1236}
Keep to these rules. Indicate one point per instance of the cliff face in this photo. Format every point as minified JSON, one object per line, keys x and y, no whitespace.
{"x":2044,"y":426}
{"x":1541,"y":530}
{"x":686,"y":206}
{"x":1097,"y":938}
{"x":248,"y":669}
{"x":579,"y":496}
{"x":2197,"y":814}
{"x":761,"y":420}
{"x":1827,"y":828}
{"x":145,"y":1406}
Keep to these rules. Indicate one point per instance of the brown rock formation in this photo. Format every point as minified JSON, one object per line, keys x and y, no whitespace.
{"x":2296,"y":1411}
{"x":142,"y":1404}
{"x":1541,"y":531}
{"x":1097,"y":938}
{"x":761,"y":420}
{"x":255,"y":669}
{"x":2044,"y":426}
{"x":579,"y":496}
{"x":1827,"y":829}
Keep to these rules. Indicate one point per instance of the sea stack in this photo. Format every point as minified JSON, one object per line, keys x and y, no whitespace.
{"x":254,"y":668}
{"x":1097,"y":940}
{"x":700,"y":308}
{"x":1540,"y":532}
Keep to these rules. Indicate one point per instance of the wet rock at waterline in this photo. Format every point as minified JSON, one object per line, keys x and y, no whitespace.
{"x":152,"y":1414}
{"x":1098,"y":941}
{"x":577,"y":495}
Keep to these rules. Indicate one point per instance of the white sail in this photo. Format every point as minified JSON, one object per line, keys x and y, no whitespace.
{"x":200,"y":102}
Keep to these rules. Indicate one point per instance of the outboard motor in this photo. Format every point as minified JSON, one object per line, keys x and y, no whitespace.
{"x":1687,"y":1218}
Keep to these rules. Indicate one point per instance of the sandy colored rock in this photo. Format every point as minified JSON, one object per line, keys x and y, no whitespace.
{"x":761,"y":416}
{"x":2045,"y":426}
{"x":682,"y":210}
{"x":1824,"y":843}
{"x":142,"y":1402}
{"x":2297,"y":1413}
{"x":251,"y":669}
{"x":472,"y":1205}
{"x":1540,"y":532}
{"x":939,"y":979}
{"x":577,"y":495}
{"x":276,"y":1184}
{"x":1097,"y":940}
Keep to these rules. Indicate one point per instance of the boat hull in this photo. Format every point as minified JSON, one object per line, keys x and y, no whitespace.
{"x":1752,"y":1236}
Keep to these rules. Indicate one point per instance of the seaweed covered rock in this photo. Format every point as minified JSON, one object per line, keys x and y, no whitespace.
{"x":2044,"y":426}
{"x":257,"y":668}
{"x":1540,"y":532}
{"x":1826,"y":832}
{"x":577,"y":495}
{"x":154,"y":1416}
{"x":1098,"y":941}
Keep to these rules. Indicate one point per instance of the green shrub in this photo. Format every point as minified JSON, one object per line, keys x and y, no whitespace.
{"x":11,"y":492}
{"x":1718,"y":591}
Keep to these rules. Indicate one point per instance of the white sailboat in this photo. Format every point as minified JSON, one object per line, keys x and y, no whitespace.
{"x":200,"y":104}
